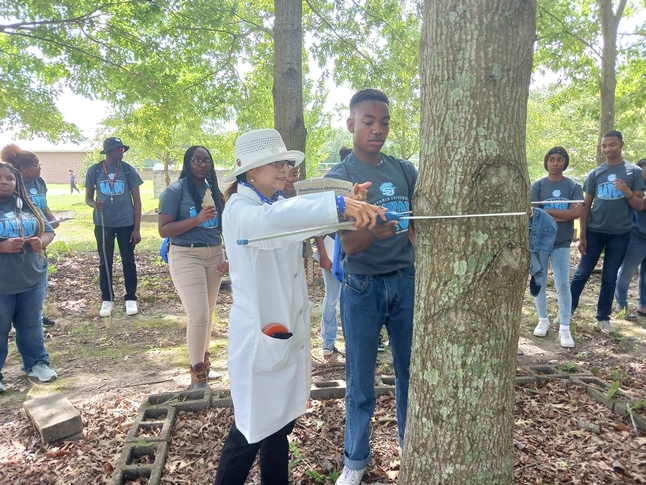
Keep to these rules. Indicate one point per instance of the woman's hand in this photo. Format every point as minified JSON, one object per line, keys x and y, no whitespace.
{"x":361,"y":191}
{"x":34,"y":243}
{"x":223,"y":267}
{"x":206,"y":214}
{"x":364,"y":214}
{"x":12,"y":245}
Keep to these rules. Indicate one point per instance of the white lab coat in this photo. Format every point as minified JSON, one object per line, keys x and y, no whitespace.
{"x":270,"y":378}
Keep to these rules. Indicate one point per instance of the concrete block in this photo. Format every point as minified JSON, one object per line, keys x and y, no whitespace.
{"x":154,"y":418}
{"x":328,"y":390}
{"x":54,"y":417}
{"x":221,"y":399}
{"x":183,"y":401}
{"x":141,"y":461}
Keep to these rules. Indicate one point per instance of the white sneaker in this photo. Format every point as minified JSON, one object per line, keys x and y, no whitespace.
{"x":131,"y":307}
{"x":542,"y":327}
{"x":2,"y":388}
{"x":350,"y":477}
{"x":212,"y":375}
{"x":106,"y":309}
{"x":43,"y":372}
{"x":566,"y":338}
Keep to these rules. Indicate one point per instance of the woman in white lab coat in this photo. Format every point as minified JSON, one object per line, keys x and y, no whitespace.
{"x":270,"y":376}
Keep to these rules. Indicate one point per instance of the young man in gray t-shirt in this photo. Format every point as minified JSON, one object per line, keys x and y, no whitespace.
{"x":378,"y":288}
{"x":117,"y":214}
{"x":613,"y":190}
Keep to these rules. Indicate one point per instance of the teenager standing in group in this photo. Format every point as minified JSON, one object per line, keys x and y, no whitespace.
{"x":24,"y":234}
{"x":558,"y":190}
{"x":28,"y":165}
{"x":117,"y":214}
{"x":270,"y":372}
{"x":190,"y":215}
{"x":613,"y":191}
{"x":379,"y":283}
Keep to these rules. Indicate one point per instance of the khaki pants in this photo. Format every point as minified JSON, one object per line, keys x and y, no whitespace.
{"x":195,"y":275}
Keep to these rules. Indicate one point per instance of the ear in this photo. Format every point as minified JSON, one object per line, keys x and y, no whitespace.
{"x":350,"y":124}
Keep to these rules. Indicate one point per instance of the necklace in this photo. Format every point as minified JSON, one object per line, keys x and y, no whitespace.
{"x":111,"y":182}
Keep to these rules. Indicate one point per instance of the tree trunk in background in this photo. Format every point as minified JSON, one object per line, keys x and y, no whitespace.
{"x":609,"y":25}
{"x":288,"y":74}
{"x":476,"y":62}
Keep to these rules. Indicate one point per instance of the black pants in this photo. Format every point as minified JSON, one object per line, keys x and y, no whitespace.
{"x":73,"y":187}
{"x":127,"y":251}
{"x":238,"y":455}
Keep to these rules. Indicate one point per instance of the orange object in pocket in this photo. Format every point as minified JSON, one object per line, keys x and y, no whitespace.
{"x":274,"y":328}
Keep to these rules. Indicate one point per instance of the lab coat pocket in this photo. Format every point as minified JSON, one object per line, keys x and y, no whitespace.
{"x":272,"y":354}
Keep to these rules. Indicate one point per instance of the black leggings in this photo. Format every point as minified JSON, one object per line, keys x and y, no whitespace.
{"x":238,"y":455}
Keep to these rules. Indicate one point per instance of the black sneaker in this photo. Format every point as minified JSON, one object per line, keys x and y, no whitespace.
{"x":381,"y":347}
{"x":48,"y":322}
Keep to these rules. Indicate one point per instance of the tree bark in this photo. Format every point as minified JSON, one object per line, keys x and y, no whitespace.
{"x":288,"y":75}
{"x":609,"y":26}
{"x":476,"y":61}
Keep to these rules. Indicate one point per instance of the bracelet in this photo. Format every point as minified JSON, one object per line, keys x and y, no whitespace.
{"x":340,"y":207}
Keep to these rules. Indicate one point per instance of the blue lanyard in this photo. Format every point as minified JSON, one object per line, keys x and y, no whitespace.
{"x":263,"y":199}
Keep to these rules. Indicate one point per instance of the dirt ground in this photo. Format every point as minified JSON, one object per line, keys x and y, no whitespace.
{"x":106,"y":368}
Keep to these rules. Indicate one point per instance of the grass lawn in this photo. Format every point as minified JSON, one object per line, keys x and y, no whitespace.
{"x":78,"y":233}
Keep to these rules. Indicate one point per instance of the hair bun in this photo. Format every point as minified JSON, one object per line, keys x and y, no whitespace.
{"x":10,"y":153}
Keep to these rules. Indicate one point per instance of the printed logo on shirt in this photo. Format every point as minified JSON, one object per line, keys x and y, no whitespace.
{"x":387,"y":188}
{"x":607,"y":190}
{"x":109,"y":188}
{"x":556,"y":196}
{"x":211,"y":223}
{"x":25,"y":226}
{"x":39,"y":200}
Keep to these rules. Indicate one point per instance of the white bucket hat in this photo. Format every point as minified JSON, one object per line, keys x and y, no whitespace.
{"x":261,"y":147}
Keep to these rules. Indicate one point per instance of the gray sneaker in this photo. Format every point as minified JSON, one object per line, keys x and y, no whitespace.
{"x":43,"y":372}
{"x":328,"y":349}
{"x":2,"y":389}
{"x":605,"y":327}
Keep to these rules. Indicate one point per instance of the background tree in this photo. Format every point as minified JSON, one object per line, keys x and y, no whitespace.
{"x":471,"y":272}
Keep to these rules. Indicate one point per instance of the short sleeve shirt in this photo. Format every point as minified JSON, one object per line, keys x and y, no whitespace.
{"x":393,"y":182}
{"x":27,"y":268}
{"x":544,"y":190}
{"x":611,"y":213}
{"x":37,"y":190}
{"x":176,"y":201}
{"x":115,"y":193}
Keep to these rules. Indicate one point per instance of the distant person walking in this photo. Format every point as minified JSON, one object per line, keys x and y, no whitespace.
{"x":117,"y":214}
{"x":73,"y":186}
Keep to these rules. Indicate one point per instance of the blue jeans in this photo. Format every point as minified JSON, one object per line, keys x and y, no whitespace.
{"x":614,"y":246}
{"x":560,"y":259}
{"x":635,"y":258}
{"x":367,"y":304}
{"x":25,"y":310}
{"x":332,"y":296}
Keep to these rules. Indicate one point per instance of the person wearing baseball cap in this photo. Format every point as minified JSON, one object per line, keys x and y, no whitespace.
{"x":117,"y":214}
{"x":270,"y":372}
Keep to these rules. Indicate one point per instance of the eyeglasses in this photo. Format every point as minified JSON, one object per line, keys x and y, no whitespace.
{"x":200,"y":161}
{"x":281,"y":163}
{"x":36,"y":165}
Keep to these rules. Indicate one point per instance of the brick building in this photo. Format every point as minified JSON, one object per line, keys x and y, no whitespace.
{"x":56,"y":163}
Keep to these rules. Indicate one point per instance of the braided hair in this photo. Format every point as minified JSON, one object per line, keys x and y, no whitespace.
{"x":211,"y":179}
{"x":26,"y":204}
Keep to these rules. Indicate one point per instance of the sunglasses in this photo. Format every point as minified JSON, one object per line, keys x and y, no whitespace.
{"x":281,"y":163}
{"x":200,"y":161}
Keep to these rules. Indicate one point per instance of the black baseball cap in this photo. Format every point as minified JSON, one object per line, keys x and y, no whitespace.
{"x":112,"y":143}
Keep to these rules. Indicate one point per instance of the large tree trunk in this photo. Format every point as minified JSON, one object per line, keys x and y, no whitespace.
{"x":288,"y":74}
{"x":476,"y":61}
{"x":609,"y":25}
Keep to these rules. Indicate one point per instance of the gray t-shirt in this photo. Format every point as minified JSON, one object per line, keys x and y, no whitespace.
{"x":37,"y":191}
{"x":118,"y":208}
{"x":566,"y":189}
{"x":611,"y":213}
{"x":393,"y":182}
{"x":27,"y":268}
{"x":176,"y":201}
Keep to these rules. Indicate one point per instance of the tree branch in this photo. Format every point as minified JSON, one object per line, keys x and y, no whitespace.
{"x":571,"y":34}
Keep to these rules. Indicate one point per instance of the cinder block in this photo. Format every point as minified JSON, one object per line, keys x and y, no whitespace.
{"x":182,"y":401}
{"x":130,"y":467}
{"x":150,"y":418}
{"x":54,"y":417}
{"x":327,"y":390}
{"x":221,"y":399}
